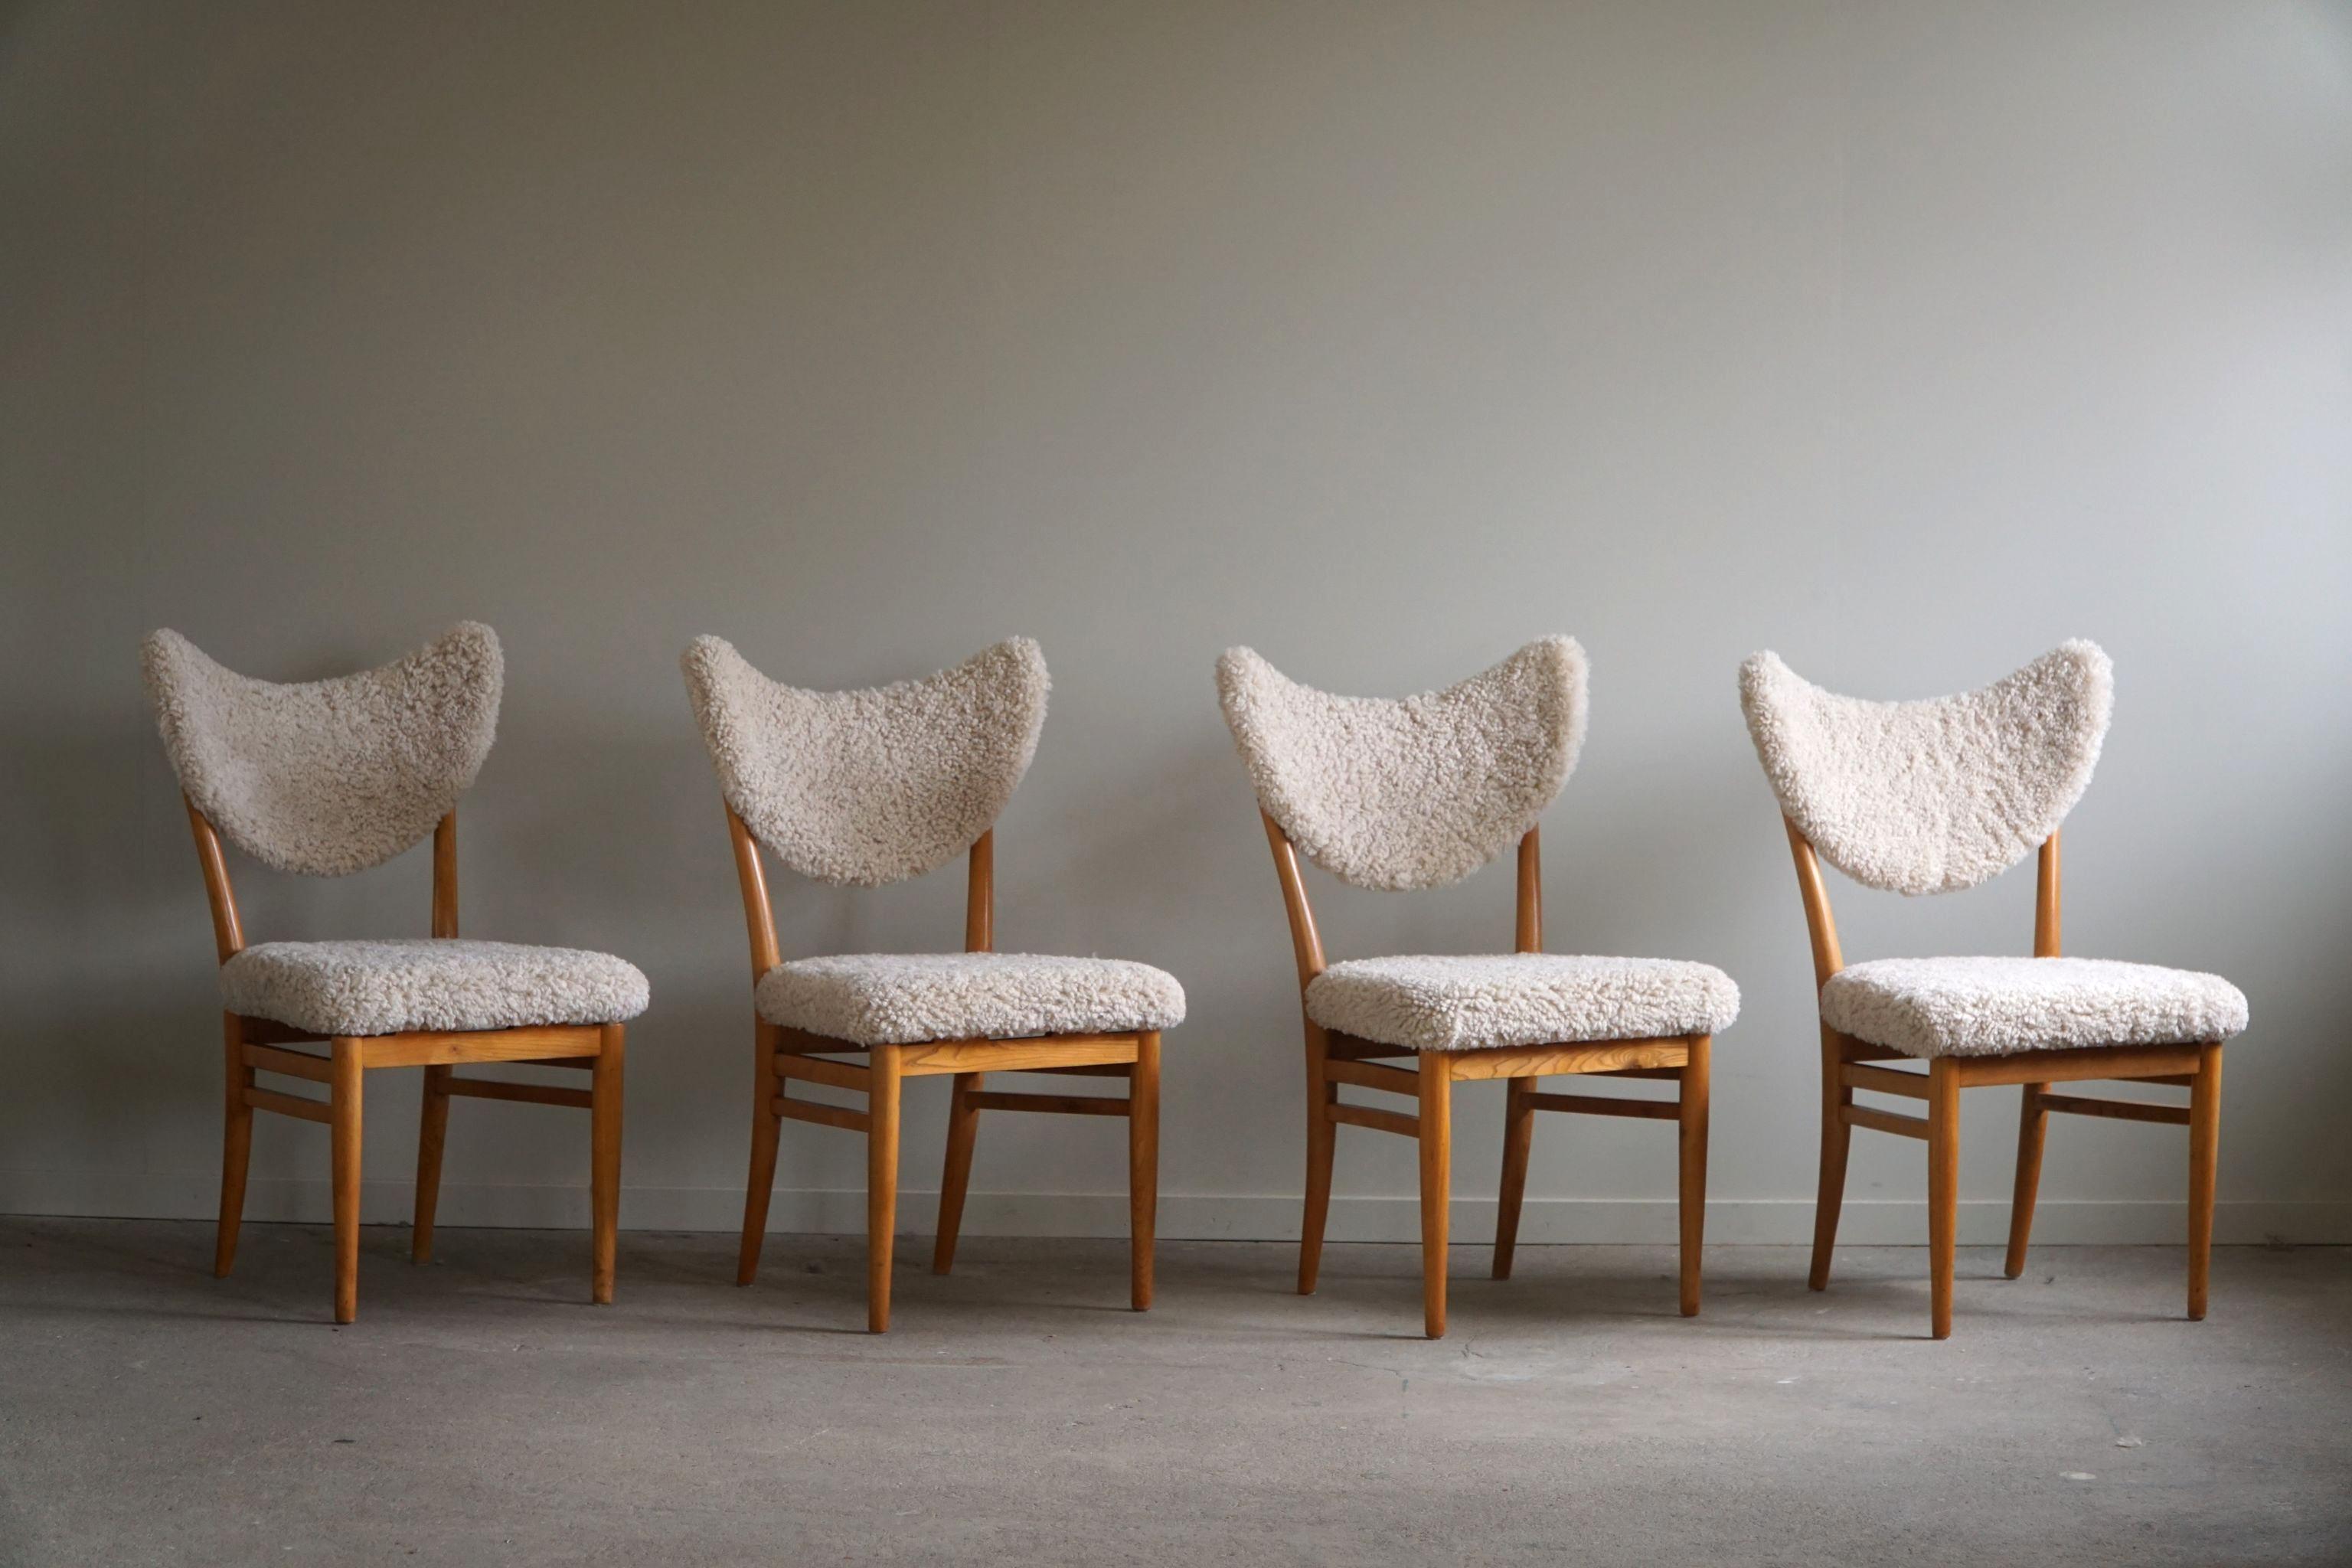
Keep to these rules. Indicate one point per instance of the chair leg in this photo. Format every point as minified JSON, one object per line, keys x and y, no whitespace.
{"x":955,"y":1176}
{"x":1692,"y":1117}
{"x":604,"y":1162}
{"x":766,"y":1128}
{"x":1943,"y":1189}
{"x":881,"y":1184}
{"x":237,"y":1149}
{"x":432,"y":1132}
{"x":343,"y":1120}
{"x":1836,"y":1137}
{"x":2032,"y":1127}
{"x":1436,"y":1180}
{"x":2204,"y":1152}
{"x":1322,"y":1136}
{"x":1519,"y":1137}
{"x":1142,"y":1166}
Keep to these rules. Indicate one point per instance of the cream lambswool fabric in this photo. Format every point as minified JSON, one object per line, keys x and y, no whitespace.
{"x":1990,"y":1006}
{"x":895,"y":999}
{"x":860,"y":788}
{"x":1489,"y":1000}
{"x":327,"y":777}
{"x":1414,"y":792}
{"x":427,"y":982}
{"x":1935,"y":795}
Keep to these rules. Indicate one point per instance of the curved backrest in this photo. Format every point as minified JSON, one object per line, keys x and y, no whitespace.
{"x":326,"y":777}
{"x":860,"y":788}
{"x":1935,"y":795}
{"x":1414,"y":792}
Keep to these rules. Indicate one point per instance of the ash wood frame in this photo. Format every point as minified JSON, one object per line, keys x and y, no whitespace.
{"x":1847,"y":1065}
{"x":1334,"y":1058}
{"x":259,"y":1045}
{"x":780,"y":1056}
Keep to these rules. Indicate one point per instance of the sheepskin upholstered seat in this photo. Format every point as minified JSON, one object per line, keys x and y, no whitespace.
{"x":328,"y":778}
{"x":1414,"y":792}
{"x":860,"y":788}
{"x":1991,"y":1006}
{"x":1483,"y":1001}
{"x":899,"y":999}
{"x":428,"y":983}
{"x":1935,"y":795}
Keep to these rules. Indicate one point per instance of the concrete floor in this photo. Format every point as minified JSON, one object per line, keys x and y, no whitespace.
{"x":481,"y":1412}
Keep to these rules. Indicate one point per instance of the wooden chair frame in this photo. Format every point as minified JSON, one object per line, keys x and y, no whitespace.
{"x":1848,"y":1064}
{"x":780,"y":1056}
{"x":1334,"y":1058}
{"x":259,"y":1045}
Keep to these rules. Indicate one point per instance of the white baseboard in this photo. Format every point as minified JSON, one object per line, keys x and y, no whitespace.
{"x":1183,"y":1216}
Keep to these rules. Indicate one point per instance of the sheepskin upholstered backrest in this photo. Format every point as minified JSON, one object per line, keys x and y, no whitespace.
{"x":1938,"y":795}
{"x":859,"y":788}
{"x":327,"y":777}
{"x":1414,"y":792}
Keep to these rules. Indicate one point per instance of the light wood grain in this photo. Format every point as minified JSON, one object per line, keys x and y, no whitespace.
{"x":1142,"y":1169}
{"x":980,"y":896}
{"x":1537,"y":1061}
{"x":2204,"y":1157}
{"x":1943,"y":1190}
{"x":1010,"y":1056}
{"x":1529,"y":935}
{"x":1373,"y":1117}
{"x":881,"y":1184}
{"x":604,"y":1162}
{"x":2033,"y":1131}
{"x":445,"y":876}
{"x":1692,"y":1169}
{"x":346,"y":1112}
{"x":1436,"y":1185}
{"x":436,"y":1047}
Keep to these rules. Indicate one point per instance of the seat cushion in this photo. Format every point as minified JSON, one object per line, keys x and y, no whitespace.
{"x":1489,"y":1000}
{"x":1993,"y":1006}
{"x":427,"y":982}
{"x":900,"y":998}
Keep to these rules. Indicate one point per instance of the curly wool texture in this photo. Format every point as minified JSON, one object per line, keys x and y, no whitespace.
{"x":327,"y":777}
{"x":428,"y":983}
{"x":1485,"y":1001}
{"x":898,"y":999}
{"x":1398,"y":794}
{"x":860,"y":788}
{"x":1991,"y":1006}
{"x":1935,"y":795}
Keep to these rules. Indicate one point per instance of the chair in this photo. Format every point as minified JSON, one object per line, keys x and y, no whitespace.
{"x":864,"y":788}
{"x":329,"y":777}
{"x":1938,"y":795}
{"x":1417,"y":794}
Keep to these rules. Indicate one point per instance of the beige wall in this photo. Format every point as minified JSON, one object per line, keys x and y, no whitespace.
{"x":1908,"y":339}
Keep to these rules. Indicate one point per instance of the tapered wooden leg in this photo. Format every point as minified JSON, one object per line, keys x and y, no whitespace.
{"x":766,"y":1126}
{"x":1519,"y":1137}
{"x":1836,"y":1136}
{"x":1692,"y":1118}
{"x":2032,"y":1127}
{"x":604,"y":1162}
{"x":881,"y":1185}
{"x":955,"y":1177}
{"x":1943,"y":1189}
{"x":237,"y":1149}
{"x":1436,"y":1182}
{"x":1321,"y":1138}
{"x":432,"y":1132}
{"x":343,"y":1120}
{"x":1142,"y":1166}
{"x":2204,"y":1161}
